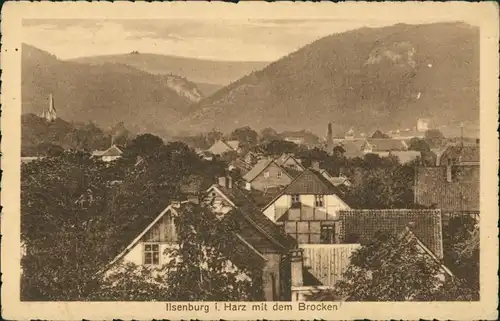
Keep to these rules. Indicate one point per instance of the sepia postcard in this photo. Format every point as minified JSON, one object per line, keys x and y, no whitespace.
{"x":251,"y":160}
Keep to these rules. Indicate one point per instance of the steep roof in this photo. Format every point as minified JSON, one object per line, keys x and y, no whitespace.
{"x":387,"y":144}
{"x":249,"y":211}
{"x":260,"y":166}
{"x":362,"y":225}
{"x":112,"y":151}
{"x":310,"y":181}
{"x":285,"y":157}
{"x":461,"y":194}
{"x":233,"y":144}
{"x":462,"y":154}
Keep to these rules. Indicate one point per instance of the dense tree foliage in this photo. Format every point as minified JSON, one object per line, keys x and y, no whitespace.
{"x":278,"y":147}
{"x":76,"y":211}
{"x":245,"y":135}
{"x":379,"y":134}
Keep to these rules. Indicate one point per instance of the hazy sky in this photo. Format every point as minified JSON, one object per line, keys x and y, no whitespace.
{"x":216,"y":39}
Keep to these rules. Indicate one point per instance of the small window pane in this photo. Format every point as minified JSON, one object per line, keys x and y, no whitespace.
{"x":148,"y":258}
{"x":147,"y":247}
{"x":155,"y":247}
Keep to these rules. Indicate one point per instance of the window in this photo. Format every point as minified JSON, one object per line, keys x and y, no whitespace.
{"x":319,"y":200}
{"x":266,"y":174}
{"x":280,"y":173}
{"x":151,"y":254}
{"x":327,"y":234}
{"x":295,"y":198}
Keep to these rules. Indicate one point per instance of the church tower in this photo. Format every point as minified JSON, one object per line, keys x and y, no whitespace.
{"x":50,"y":114}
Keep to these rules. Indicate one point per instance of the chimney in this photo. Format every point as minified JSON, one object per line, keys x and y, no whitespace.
{"x":222,"y":181}
{"x":297,"y":265}
{"x":229,"y":182}
{"x":248,"y":186}
{"x":448,"y":171}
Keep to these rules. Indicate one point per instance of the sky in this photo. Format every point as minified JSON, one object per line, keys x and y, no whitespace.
{"x":214,"y":39}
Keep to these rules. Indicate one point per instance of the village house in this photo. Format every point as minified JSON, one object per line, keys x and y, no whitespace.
{"x":268,"y":174}
{"x":325,"y":264}
{"x":288,"y":161}
{"x":259,"y":244}
{"x":380,"y":145}
{"x":459,"y":154}
{"x":240,"y":165}
{"x":453,"y":188}
{"x":108,"y":155}
{"x":222,"y":146}
{"x":356,"y":147}
{"x":307,"y":208}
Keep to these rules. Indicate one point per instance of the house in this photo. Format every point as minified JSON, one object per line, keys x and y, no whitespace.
{"x":251,"y":158}
{"x":459,"y":155}
{"x":299,"y":140}
{"x":222,"y":146}
{"x":337,"y":181}
{"x":307,"y":208}
{"x":288,"y":161}
{"x":240,"y":165}
{"x":325,"y":264}
{"x":454,"y":188}
{"x":280,"y":259}
{"x":268,"y":174}
{"x":386,"y":145}
{"x":356,"y":147}
{"x":109,"y":155}
{"x":259,"y":244}
{"x":404,"y":156}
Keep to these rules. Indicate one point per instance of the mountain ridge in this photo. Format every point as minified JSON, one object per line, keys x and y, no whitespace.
{"x":368,"y":78}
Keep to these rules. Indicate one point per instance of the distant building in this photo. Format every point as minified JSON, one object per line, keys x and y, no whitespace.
{"x":459,"y":154}
{"x":452,"y":188}
{"x":268,"y":174}
{"x":288,"y":161}
{"x":108,"y":155}
{"x":50,"y":114}
{"x":222,"y":146}
{"x":299,"y":140}
{"x":386,"y":145}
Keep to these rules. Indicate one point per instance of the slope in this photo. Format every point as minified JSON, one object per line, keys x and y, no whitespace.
{"x":197,"y":70}
{"x":382,"y":78}
{"x":106,"y":94}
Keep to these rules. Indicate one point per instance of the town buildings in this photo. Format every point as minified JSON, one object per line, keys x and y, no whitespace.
{"x":222,"y":146}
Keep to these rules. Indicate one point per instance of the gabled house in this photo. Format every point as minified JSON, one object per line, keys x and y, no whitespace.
{"x":109,"y":155}
{"x":267,"y":174}
{"x":453,"y":188}
{"x":251,"y":158}
{"x":288,"y":161}
{"x":353,"y":148}
{"x":222,"y":146}
{"x":386,"y":144}
{"x":281,"y":260}
{"x":240,"y":165}
{"x":258,"y":244}
{"x":307,"y":208}
{"x":459,"y":155}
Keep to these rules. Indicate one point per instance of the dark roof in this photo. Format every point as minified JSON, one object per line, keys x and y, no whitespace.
{"x":386,"y":144}
{"x":362,"y":225}
{"x":258,"y":168}
{"x":250,"y":211}
{"x":461,"y":194}
{"x":462,"y":154}
{"x":310,"y":181}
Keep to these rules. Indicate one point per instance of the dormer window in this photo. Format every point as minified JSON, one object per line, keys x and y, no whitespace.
{"x":319,"y":200}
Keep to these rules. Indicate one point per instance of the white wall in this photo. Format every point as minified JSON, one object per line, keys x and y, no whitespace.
{"x":136,"y":254}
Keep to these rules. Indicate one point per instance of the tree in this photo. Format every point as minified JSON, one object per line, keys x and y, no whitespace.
{"x":144,"y":145}
{"x":278,"y":147}
{"x":391,"y":268}
{"x":419,"y":145}
{"x":268,"y":134}
{"x":434,"y":137}
{"x":245,"y":135}
{"x":379,"y":134}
